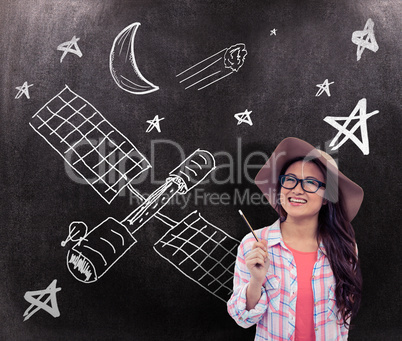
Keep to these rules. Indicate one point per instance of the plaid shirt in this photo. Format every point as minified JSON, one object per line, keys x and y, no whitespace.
{"x":275,"y":313}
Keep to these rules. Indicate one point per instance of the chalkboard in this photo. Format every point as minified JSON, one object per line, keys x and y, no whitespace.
{"x":131,"y":132}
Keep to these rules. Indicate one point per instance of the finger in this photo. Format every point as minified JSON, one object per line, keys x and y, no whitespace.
{"x":261,"y":244}
{"x":262,"y":251}
{"x":256,"y":252}
{"x":259,"y":256}
{"x":255,"y":264}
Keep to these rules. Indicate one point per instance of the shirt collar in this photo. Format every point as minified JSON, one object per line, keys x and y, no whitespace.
{"x":275,"y":237}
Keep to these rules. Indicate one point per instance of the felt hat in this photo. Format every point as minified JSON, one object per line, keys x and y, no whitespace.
{"x":290,"y":148}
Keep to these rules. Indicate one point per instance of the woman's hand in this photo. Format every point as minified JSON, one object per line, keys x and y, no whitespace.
{"x":257,"y":261}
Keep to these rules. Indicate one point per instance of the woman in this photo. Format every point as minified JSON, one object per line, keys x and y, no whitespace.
{"x":301,"y":280}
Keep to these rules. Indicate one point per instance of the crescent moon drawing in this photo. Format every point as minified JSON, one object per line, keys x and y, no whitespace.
{"x":122,"y":64}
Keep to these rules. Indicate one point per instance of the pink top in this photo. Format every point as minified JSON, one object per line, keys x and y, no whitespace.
{"x":304,"y":330}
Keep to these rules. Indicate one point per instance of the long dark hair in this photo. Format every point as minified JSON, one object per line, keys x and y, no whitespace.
{"x":338,"y":238}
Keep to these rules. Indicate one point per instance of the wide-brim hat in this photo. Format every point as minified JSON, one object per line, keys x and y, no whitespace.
{"x":291,"y":148}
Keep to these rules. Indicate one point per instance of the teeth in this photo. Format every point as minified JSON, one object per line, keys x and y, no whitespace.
{"x":301,"y":201}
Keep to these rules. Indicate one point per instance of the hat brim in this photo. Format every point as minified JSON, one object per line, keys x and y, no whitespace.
{"x":291,"y":148}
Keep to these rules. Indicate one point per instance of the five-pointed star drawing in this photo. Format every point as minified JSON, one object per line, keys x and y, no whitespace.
{"x":23,"y":90}
{"x":154,"y":123}
{"x":244,"y":117}
{"x":70,"y":46}
{"x":361,"y":119}
{"x":273,"y":32}
{"x":323,"y":87}
{"x":368,"y":43}
{"x":35,"y":298}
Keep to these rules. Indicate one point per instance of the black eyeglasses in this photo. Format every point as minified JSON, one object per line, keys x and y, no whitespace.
{"x":308,"y":185}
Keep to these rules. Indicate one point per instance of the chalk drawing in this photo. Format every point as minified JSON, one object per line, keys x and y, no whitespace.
{"x":358,"y":115}
{"x":39,"y":301}
{"x":244,"y":117}
{"x":123,"y":66}
{"x":70,"y":46}
{"x":203,"y":73}
{"x":154,"y":123}
{"x":202,"y":252}
{"x":273,"y":32}
{"x":191,"y":172}
{"x":93,"y":253}
{"x":365,"y":39}
{"x":323,"y":87}
{"x":101,"y":248}
{"x":23,"y":90}
{"x":72,"y":126}
{"x":77,"y":231}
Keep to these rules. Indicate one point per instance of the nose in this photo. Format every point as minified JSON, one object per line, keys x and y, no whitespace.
{"x":298,"y":189}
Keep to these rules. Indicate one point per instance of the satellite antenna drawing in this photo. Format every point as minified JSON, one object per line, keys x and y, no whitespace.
{"x":68,"y":121}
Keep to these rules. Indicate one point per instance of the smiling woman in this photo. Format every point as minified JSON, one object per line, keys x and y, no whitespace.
{"x":302,"y":197}
{"x":301,"y":280}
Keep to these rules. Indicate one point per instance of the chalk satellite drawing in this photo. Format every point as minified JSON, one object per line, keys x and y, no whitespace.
{"x":87,"y":142}
{"x":358,"y":115}
{"x":365,"y":39}
{"x":191,"y":172}
{"x":323,"y":87}
{"x":202,"y":252}
{"x":23,"y":90}
{"x":70,"y":46}
{"x":154,"y":123}
{"x":68,"y":121}
{"x":97,"y":251}
{"x":123,"y":66}
{"x":210,"y":70}
{"x":244,"y":117}
{"x":77,"y":231}
{"x":39,"y":299}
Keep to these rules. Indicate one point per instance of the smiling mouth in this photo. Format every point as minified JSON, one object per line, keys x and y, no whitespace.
{"x":297,"y":201}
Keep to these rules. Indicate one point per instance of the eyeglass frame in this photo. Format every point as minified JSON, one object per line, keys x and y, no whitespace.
{"x":320,"y":183}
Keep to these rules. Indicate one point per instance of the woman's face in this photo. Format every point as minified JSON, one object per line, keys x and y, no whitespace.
{"x":296,"y":202}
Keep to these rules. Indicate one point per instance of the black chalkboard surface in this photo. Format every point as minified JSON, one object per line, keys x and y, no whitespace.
{"x":131,"y":132}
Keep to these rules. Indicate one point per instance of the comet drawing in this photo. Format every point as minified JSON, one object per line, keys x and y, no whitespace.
{"x":214,"y":68}
{"x":123,"y":66}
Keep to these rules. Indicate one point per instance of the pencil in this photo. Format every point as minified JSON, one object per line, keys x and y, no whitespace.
{"x":251,"y":229}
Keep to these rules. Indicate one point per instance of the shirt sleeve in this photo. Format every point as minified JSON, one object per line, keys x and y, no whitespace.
{"x":237,"y":303}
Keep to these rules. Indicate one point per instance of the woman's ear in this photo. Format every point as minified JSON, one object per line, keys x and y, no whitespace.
{"x":325,"y":201}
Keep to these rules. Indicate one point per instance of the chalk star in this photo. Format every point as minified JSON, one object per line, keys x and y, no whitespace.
{"x":23,"y":90}
{"x":244,"y":117}
{"x":361,"y":107}
{"x":368,"y":43}
{"x":52,"y":309}
{"x":273,"y":32}
{"x":67,"y":47}
{"x":154,"y":124}
{"x":323,"y":87}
